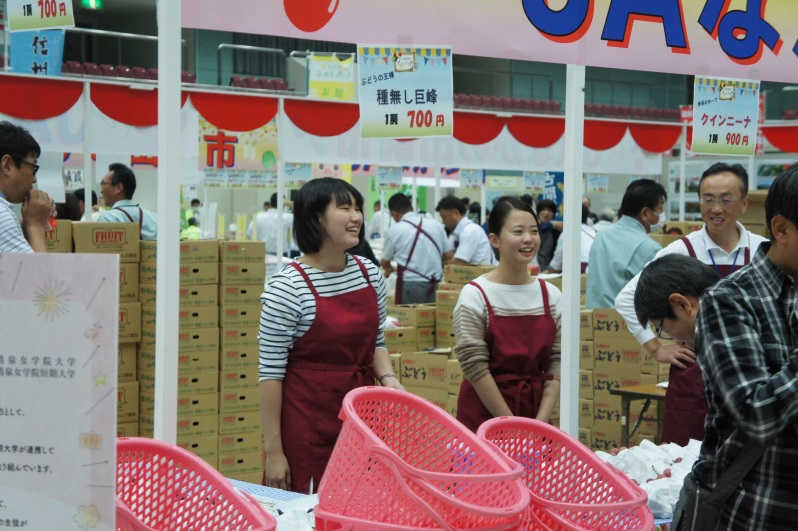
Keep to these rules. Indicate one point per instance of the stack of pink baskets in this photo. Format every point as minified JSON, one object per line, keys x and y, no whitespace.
{"x":571,"y":489}
{"x":402,"y":463}
{"x":160,"y":486}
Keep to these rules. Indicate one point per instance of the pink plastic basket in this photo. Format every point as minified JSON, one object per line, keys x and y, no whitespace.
{"x":571,"y":489}
{"x":160,"y":486}
{"x":401,"y":462}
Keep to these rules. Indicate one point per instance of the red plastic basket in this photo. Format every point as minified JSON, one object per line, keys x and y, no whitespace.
{"x":160,"y":486}
{"x":401,"y":462}
{"x":570,"y":488}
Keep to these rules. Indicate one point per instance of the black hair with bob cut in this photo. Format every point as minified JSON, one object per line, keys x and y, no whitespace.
{"x":311,"y":202}
{"x":672,"y":273}
{"x":782,"y":198}
{"x":502,"y":209}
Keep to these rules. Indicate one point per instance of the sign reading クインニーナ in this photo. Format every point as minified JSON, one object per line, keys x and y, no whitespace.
{"x":725,"y":116}
{"x":405,"y":92}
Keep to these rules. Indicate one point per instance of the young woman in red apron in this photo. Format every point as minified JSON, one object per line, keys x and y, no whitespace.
{"x":335,"y":355}
{"x":519,"y":346}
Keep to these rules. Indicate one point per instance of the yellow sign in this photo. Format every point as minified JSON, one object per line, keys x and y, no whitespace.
{"x":330,"y":78}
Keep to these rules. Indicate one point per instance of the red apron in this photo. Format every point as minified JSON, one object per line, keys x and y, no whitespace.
{"x":520,"y":347}
{"x":400,"y":269}
{"x":685,"y":405}
{"x":333,"y":357}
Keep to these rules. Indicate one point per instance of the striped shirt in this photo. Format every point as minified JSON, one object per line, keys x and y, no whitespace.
{"x":471,"y":321}
{"x":289,"y":309}
{"x":12,"y":240}
{"x":746,"y":338}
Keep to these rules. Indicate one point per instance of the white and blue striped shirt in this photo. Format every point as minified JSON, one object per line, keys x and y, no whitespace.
{"x":289,"y":309}
{"x":12,"y":240}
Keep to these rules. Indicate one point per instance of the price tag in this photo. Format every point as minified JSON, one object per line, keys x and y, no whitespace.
{"x":27,"y":15}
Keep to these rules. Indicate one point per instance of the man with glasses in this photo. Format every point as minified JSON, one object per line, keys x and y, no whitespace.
{"x":117,"y":188}
{"x":18,"y":154}
{"x":724,"y":245}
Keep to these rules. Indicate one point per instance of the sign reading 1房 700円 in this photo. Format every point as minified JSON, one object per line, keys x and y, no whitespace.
{"x":26,"y":15}
{"x":725,"y":116}
{"x":405,"y":92}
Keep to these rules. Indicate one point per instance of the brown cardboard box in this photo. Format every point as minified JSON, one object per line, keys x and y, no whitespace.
{"x":396,"y":365}
{"x":756,"y":208}
{"x":461,"y":274}
{"x":113,"y":238}
{"x":587,"y":355}
{"x":422,"y":369}
{"x":585,"y":384}
{"x":587,"y":413}
{"x":608,"y":323}
{"x":239,"y":400}
{"x":187,"y":406}
{"x":451,"y":405}
{"x":455,"y":376}
{"x":230,"y":294}
{"x":249,"y":251}
{"x":206,"y":448}
{"x":665,"y":239}
{"x":189,"y":296}
{"x":240,"y":443}
{"x":240,"y":315}
{"x":445,"y":301}
{"x":652,"y":366}
{"x":617,"y":352}
{"x":126,"y":371}
{"x":621,"y":376}
{"x":128,"y":282}
{"x":127,"y":429}
{"x":426,"y":338}
{"x":127,"y":409}
{"x":187,"y":318}
{"x":401,"y":339}
{"x":236,"y":337}
{"x":681,"y":228}
{"x":444,"y":337}
{"x":439,"y":397}
{"x":586,"y":325}
{"x":193,"y":427}
{"x":188,"y":385}
{"x":196,"y":340}
{"x":759,"y":229}
{"x":191,"y":251}
{"x":606,"y":435}
{"x":59,"y":239}
{"x":239,"y":422}
{"x":244,"y":379}
{"x":242,"y":273}
{"x":239,"y":357}
{"x":232,"y":466}
{"x":606,"y":407}
{"x":585,"y":436}
{"x":190,"y":274}
{"x":449,"y":286}
{"x":192,"y":362}
{"x":418,"y":315}
{"x":129,"y":322}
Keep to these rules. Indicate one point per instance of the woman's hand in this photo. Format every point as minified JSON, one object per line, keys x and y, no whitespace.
{"x":392,"y":382}
{"x":278,"y":475}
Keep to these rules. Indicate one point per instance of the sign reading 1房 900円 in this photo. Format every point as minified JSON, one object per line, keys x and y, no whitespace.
{"x":725,"y":116}
{"x":405,"y":92}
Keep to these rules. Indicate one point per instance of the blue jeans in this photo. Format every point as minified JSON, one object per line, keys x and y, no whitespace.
{"x":417,"y":292}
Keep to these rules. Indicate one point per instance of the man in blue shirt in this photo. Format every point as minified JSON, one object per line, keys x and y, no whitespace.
{"x":117,"y":188}
{"x":621,"y":251}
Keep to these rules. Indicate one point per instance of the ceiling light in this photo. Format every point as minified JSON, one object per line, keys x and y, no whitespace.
{"x":92,"y":4}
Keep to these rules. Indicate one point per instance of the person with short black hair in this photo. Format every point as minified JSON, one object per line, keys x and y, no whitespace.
{"x":507,"y":326}
{"x":18,"y":154}
{"x":80,"y":193}
{"x":70,"y":209}
{"x":264,"y":227}
{"x":117,"y":188}
{"x":722,"y":244}
{"x":419,"y":246}
{"x":321,"y":335}
{"x":745,"y":343}
{"x":586,"y":236}
{"x":471,"y":245}
{"x":380,"y":222}
{"x":621,"y":251}
{"x":549,"y":231}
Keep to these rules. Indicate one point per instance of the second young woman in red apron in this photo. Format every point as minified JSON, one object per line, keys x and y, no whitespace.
{"x":320,"y":335}
{"x":508,"y":328}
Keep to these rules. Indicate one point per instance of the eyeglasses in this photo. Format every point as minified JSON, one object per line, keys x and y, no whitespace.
{"x":724,"y":200}
{"x":106,"y":182}
{"x":35,"y":167}
{"x":661,"y":333}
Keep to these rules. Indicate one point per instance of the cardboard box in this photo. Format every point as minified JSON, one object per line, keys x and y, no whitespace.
{"x":129,"y":322}
{"x":242,"y":274}
{"x":234,"y":465}
{"x":617,"y":352}
{"x":651,"y":366}
{"x":189,"y":296}
{"x":396,"y":365}
{"x":239,"y":400}
{"x":606,"y":407}
{"x":586,"y":413}
{"x":240,"y":443}
{"x":586,"y":325}
{"x":193,"y":427}
{"x":240,"y":422}
{"x":188,"y":385}
{"x":448,"y":286}
{"x":231,"y":294}
{"x":759,"y":229}
{"x":586,"y":355}
{"x":195,"y":340}
{"x":445,"y":301}
{"x":187,"y":406}
{"x":454,"y":375}
{"x":585,"y":436}
{"x":607,"y":380}
{"x":189,"y":362}
{"x":189,"y":274}
{"x":59,"y":239}
{"x":461,"y":274}
{"x":665,"y":239}
{"x":205,"y":448}
{"x":439,"y":397}
{"x":239,"y":357}
{"x":128,"y":282}
{"x":426,"y":338}
{"x":401,"y":339}
{"x":444,"y":336}
{"x":451,"y":405}
{"x":239,"y":379}
{"x":240,"y":315}
{"x":187,"y":318}
{"x":422,"y":369}
{"x":191,"y":251}
{"x":585,"y":384}
{"x":418,"y":315}
{"x":606,"y":435}
{"x":682,"y":228}
{"x":237,"y":337}
{"x":608,"y":323}
{"x":126,"y":368}
{"x":127,"y":406}
{"x":127,"y":429}
{"x":114,"y":238}
{"x":250,"y":251}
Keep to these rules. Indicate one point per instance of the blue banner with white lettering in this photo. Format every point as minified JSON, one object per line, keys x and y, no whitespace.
{"x":37,"y":53}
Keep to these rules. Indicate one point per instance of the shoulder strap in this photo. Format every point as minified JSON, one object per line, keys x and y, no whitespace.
{"x":686,"y":242}
{"x":128,"y":216}
{"x":545,"y":292}
{"x":302,"y":272}
{"x":487,"y":302}
{"x":734,"y":475}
